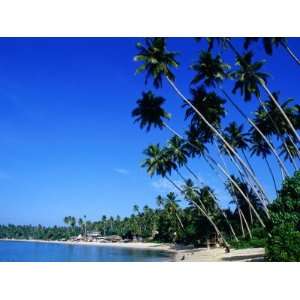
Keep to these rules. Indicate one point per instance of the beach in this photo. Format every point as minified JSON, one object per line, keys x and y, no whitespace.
{"x":180,"y":253}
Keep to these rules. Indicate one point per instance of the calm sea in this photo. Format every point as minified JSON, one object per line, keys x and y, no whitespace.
{"x":18,"y":251}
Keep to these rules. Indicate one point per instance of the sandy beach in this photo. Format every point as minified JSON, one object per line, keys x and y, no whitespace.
{"x":180,"y":254}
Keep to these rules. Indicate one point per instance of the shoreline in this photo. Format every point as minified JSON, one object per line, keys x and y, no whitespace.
{"x":177,"y":253}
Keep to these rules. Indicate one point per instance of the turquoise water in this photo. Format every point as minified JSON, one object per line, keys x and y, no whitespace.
{"x":18,"y":251}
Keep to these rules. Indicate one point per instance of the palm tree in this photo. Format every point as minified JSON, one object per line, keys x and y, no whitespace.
{"x":171,"y":204}
{"x":248,"y":80}
{"x":157,"y":62}
{"x":269,"y":43}
{"x":80,"y":223}
{"x":213,"y":71}
{"x":136,"y":209}
{"x":193,"y":196}
{"x":67,"y":220}
{"x":211,"y":106}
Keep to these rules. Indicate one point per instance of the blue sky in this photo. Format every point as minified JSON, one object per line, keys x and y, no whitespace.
{"x":68,"y":144}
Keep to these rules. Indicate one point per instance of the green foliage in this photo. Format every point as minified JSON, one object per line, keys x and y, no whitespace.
{"x":244,"y":244}
{"x":284,"y":242}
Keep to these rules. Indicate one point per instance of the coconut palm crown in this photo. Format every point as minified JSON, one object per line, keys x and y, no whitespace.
{"x":212,"y":70}
{"x":248,"y":77}
{"x":211,"y":106}
{"x":149,"y":111}
{"x":157,"y":60}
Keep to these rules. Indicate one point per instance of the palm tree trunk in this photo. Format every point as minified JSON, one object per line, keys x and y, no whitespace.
{"x":202,"y":211}
{"x":179,"y":220}
{"x":272,"y":174}
{"x":250,"y":183}
{"x":251,"y":217}
{"x":263,"y":84}
{"x":230,"y":226}
{"x":241,"y":221}
{"x":281,"y":164}
{"x":291,"y":53}
{"x":242,"y":193}
{"x":246,"y":223}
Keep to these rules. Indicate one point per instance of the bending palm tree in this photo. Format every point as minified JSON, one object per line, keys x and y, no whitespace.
{"x":249,"y":78}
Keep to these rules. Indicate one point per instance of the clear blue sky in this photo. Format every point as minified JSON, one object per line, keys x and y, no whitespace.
{"x":68,"y":144}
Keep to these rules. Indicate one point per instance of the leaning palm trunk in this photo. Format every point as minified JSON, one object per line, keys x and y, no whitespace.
{"x":280,"y":162}
{"x":240,"y":190}
{"x":179,"y":220}
{"x":249,"y":182}
{"x":246,"y":223}
{"x":202,"y":211}
{"x":290,"y":52}
{"x":241,"y":221}
{"x":216,"y":202}
{"x":237,"y":203}
{"x":263,"y":84}
{"x":213,"y":129}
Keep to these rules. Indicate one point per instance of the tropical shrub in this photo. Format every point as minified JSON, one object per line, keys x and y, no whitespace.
{"x":284,"y":242}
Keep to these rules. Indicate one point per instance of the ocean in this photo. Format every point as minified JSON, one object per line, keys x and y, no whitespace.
{"x":20,"y":251}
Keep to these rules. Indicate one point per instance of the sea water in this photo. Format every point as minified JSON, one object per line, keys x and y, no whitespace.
{"x":22,"y":251}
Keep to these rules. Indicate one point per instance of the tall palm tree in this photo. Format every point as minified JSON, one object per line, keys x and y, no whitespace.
{"x":157,"y":61}
{"x":248,"y":80}
{"x":269,"y":43}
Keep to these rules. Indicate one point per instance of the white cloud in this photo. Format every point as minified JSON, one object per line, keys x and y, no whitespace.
{"x":121,"y":171}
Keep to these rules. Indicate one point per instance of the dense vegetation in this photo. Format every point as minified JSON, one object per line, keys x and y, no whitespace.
{"x":284,"y":242}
